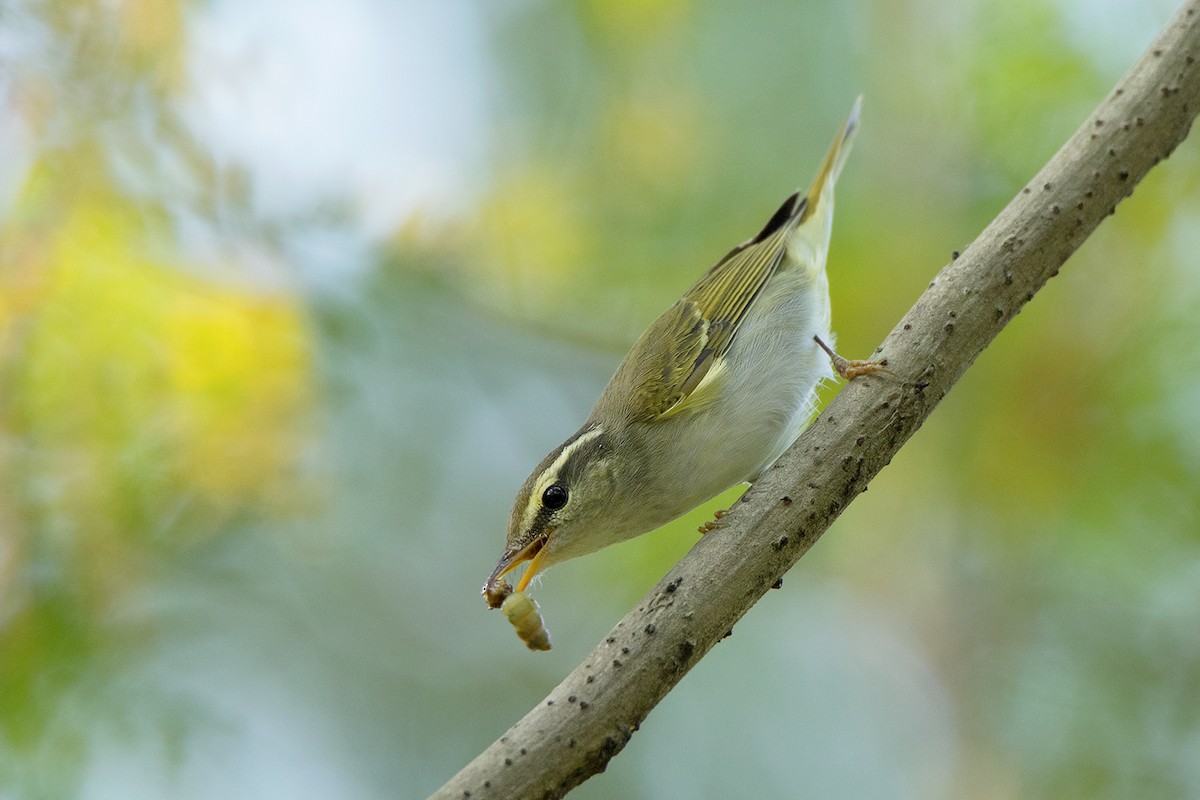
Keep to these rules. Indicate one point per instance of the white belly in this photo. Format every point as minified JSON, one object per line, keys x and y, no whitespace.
{"x":774,"y":367}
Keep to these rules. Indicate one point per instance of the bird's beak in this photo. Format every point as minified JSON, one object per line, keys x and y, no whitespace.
{"x":514,"y":557}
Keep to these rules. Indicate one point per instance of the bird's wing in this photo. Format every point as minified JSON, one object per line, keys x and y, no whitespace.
{"x":678,"y":364}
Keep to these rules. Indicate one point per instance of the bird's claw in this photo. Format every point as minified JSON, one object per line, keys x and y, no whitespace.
{"x":849,"y":368}
{"x":714,"y":523}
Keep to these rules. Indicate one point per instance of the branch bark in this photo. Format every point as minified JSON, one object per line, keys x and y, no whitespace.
{"x":590,"y":716}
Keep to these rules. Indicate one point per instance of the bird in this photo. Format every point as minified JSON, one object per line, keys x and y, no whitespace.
{"x":709,"y":396}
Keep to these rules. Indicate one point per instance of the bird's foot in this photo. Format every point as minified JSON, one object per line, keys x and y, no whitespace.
{"x":852,"y":368}
{"x":714,"y":523}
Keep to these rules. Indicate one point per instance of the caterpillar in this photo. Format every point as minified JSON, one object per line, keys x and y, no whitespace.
{"x":522,"y":611}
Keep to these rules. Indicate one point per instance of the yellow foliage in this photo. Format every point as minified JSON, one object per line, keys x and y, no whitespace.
{"x":530,"y":238}
{"x":137,"y":387}
{"x":651,"y":138}
{"x":635,"y":21}
{"x":238,"y":374}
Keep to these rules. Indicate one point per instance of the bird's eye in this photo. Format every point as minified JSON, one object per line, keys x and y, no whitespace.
{"x":555,"y":496}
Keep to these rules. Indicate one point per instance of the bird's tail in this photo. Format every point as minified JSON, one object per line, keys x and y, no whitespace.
{"x":821,"y":189}
{"x":800,"y":208}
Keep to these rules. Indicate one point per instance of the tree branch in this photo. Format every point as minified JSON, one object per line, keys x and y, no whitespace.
{"x":590,"y":716}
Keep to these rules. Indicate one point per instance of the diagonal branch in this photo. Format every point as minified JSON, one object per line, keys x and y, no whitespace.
{"x":590,"y":716}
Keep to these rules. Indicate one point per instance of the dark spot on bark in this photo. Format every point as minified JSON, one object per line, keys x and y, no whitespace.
{"x":948,"y":327}
{"x":1139,"y":121}
{"x":780,"y":543}
{"x":1099,"y":123}
{"x":728,"y":633}
{"x":583,"y":705}
{"x":616,"y":662}
{"x":907,"y":327}
{"x":1079,"y":206}
{"x":1123,"y":175}
{"x":673,"y":585}
{"x":507,"y":761}
{"x":1048,"y":187}
{"x":549,"y":702}
{"x":786,"y":500}
{"x":999,"y":312}
{"x":611,"y":639}
{"x":1054,"y":209}
{"x":1008,"y":277}
{"x":1157,"y":52}
{"x":1025,"y":190}
{"x":859,"y":441}
{"x":625,"y":651}
{"x":686,"y":648}
{"x":649,"y":629}
{"x":589,"y":679}
{"x":778,"y":584}
{"x":954,"y":255}
{"x":571,"y":742}
{"x":572,"y":699}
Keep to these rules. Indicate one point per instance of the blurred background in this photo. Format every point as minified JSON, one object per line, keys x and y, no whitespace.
{"x":293,"y":295}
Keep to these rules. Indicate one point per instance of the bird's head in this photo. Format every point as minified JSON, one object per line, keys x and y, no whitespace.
{"x":562,"y":509}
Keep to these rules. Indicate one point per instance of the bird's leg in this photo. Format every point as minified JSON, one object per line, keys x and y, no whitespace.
{"x":714,"y":523}
{"x":851,"y":368}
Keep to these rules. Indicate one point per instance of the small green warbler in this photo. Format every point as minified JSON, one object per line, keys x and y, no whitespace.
{"x":710,"y":395}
